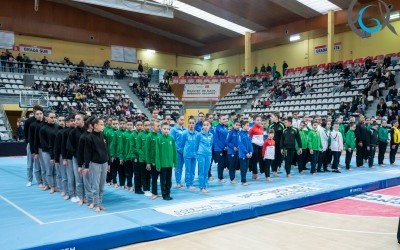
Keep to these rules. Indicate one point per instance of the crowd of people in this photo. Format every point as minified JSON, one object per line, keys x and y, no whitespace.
{"x":77,"y":157}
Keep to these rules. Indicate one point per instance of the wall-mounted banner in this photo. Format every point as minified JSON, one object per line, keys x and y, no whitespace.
{"x":201,"y":92}
{"x":7,"y":39}
{"x":337,"y":46}
{"x":24,"y":48}
{"x":320,"y":49}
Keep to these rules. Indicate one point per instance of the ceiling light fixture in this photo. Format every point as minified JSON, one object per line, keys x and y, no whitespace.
{"x":294,"y":37}
{"x":321,"y":6}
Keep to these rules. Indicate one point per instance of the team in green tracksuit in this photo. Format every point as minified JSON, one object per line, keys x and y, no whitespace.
{"x":302,"y":159}
{"x":112,"y":142}
{"x":134,"y":157}
{"x":166,"y":159}
{"x":349,"y":146}
{"x":342,"y":129}
{"x":140,"y":142}
{"x":126,"y":158}
{"x":383,"y":137}
{"x":150,"y":155}
{"x":315,"y":146}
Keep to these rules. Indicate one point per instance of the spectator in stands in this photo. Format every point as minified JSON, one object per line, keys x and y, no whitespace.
{"x":27,"y":63}
{"x":10,"y":60}
{"x":81,"y":67}
{"x":20,"y":131}
{"x":368,"y":63}
{"x":374,"y":90}
{"x":20,"y":64}
{"x":267,"y":103}
{"x":205,"y":73}
{"x":347,"y":85}
{"x":44,"y":63}
{"x":308,"y":89}
{"x":284,"y":67}
{"x":274,"y":69}
{"x":392,"y":94}
{"x":381,"y":108}
{"x":387,"y":61}
{"x":363,"y":104}
{"x":67,"y":61}
{"x":175,"y":73}
{"x":255,"y":70}
{"x":140,"y":68}
{"x":269,"y":68}
{"x":395,"y":107}
{"x":3,"y":59}
{"x":263,"y":69}
{"x":216,"y":72}
{"x":186,"y":73}
{"x":391,"y":116}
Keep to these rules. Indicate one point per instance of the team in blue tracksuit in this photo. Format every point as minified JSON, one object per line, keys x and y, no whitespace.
{"x":245,"y":148}
{"x":189,"y":155}
{"x":212,"y":131}
{"x":204,"y":142}
{"x":198,"y":126}
{"x":220,"y":147}
{"x":177,"y":134}
{"x":233,"y":143}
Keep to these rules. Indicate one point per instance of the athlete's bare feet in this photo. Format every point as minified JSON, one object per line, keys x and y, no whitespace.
{"x":268,"y":179}
{"x":192,"y":188}
{"x":102,"y":208}
{"x":91,"y":206}
{"x":97,"y":210}
{"x":203,"y":190}
{"x":153,"y":197}
{"x":276,"y":174}
{"x":289,"y":176}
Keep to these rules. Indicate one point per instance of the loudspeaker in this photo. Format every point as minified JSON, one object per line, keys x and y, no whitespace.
{"x":29,"y":80}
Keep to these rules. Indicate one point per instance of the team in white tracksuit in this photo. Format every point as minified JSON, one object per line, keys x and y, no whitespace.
{"x":325,"y":133}
{"x":336,"y":147}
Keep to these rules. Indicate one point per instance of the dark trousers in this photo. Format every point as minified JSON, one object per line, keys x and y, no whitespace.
{"x":288,"y":154}
{"x":278,"y":159}
{"x":393,"y":152}
{"x":145,"y":176}
{"x":398,"y":232}
{"x":113,"y":171}
{"x":220,"y":157}
{"x":137,"y":176}
{"x":382,"y":145}
{"x":302,"y":160}
{"x":165,"y":181}
{"x":256,"y":158}
{"x":267,"y":167}
{"x":328,"y":156}
{"x":359,"y":156}
{"x":371,"y":155}
{"x":154,"y":178}
{"x":244,"y":165}
{"x":314,"y":160}
{"x":323,"y":160}
{"x":336,"y":159}
{"x":349,"y":155}
{"x":121,"y":174}
{"x":233,"y":160}
{"x":128,"y":165}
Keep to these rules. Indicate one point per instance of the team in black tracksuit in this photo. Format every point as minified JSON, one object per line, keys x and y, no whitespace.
{"x":278,"y":128}
{"x":30,"y":161}
{"x":36,"y":149}
{"x":56,"y":154}
{"x":290,"y":136}
{"x":361,"y":145}
{"x":67,"y":160}
{"x":371,"y":142}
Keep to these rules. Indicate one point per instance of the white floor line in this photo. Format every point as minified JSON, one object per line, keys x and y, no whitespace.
{"x":102,"y":214}
{"x":22,"y":210}
{"x":328,"y":228}
{"x":353,"y":215}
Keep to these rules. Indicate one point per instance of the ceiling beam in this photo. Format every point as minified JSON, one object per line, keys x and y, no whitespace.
{"x":344,"y":4}
{"x":297,"y":8}
{"x":212,"y":9}
{"x":127,"y":21}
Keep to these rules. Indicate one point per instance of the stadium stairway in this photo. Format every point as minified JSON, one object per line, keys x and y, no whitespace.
{"x":5,"y":127}
{"x":258,"y":96}
{"x":125,"y":86}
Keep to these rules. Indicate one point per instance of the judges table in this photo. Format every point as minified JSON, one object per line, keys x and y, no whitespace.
{"x":12,"y":149}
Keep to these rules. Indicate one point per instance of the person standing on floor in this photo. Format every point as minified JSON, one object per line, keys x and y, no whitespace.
{"x":394,"y":142}
{"x":177,"y":134}
{"x":324,"y":132}
{"x":47,"y":137}
{"x":190,"y":153}
{"x":290,"y":136}
{"x":68,"y":169}
{"x":383,"y":138}
{"x":302,"y":158}
{"x":166,"y":159}
{"x":204,"y":142}
{"x":336,"y":147}
{"x":150,"y":154}
{"x":81,"y":161}
{"x":350,"y":144}
{"x":233,"y":150}
{"x":97,"y":159}
{"x":127,"y":155}
{"x":361,"y":134}
{"x":133,"y":152}
{"x":37,"y":149}
{"x":220,"y":146}
{"x":72,"y":152}
{"x":314,"y":145}
{"x":256,"y":134}
{"x":371,"y":142}
{"x":30,"y":161}
{"x":268,"y":153}
{"x":140,"y":143}
{"x":245,"y":152}
{"x":278,"y":128}
{"x":111,"y":136}
{"x":119,"y":144}
{"x":57,"y":155}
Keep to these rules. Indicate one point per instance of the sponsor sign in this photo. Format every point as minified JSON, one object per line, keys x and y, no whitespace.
{"x":25,"y":48}
{"x":201,"y":92}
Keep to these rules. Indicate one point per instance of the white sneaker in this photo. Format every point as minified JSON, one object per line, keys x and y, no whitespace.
{"x":29,"y":184}
{"x":148,"y":193}
{"x":74,"y":199}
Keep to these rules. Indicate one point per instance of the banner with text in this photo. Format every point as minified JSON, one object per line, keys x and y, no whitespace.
{"x":24,"y":48}
{"x":324,"y":49}
{"x":201,"y":92}
{"x":7,"y":40}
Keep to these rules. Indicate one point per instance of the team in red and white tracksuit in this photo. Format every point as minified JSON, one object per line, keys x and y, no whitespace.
{"x":256,"y":134}
{"x":268,"y":155}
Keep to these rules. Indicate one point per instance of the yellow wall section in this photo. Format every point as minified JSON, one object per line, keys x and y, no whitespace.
{"x":195,"y":113}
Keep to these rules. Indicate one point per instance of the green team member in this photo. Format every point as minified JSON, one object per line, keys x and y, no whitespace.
{"x":111,"y":141}
{"x":140,"y":141}
{"x":133,"y":155}
{"x":383,"y":137}
{"x":341,"y":126}
{"x":350,"y":143}
{"x":150,"y":154}
{"x":107,"y":127}
{"x":314,"y":145}
{"x":302,"y":158}
{"x":125,"y":157}
{"x":166,"y":159}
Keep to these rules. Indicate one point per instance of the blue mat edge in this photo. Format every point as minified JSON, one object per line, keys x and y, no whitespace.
{"x":182,"y":226}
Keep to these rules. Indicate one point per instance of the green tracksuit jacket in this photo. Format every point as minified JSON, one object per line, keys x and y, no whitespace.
{"x":304,"y":138}
{"x":166,"y":155}
{"x":125,"y":145}
{"x":140,"y":141}
{"x":119,"y":144}
{"x":314,"y":140}
{"x":150,"y":148}
{"x":112,"y":142}
{"x":131,"y":153}
{"x":350,"y":140}
{"x":383,"y":134}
